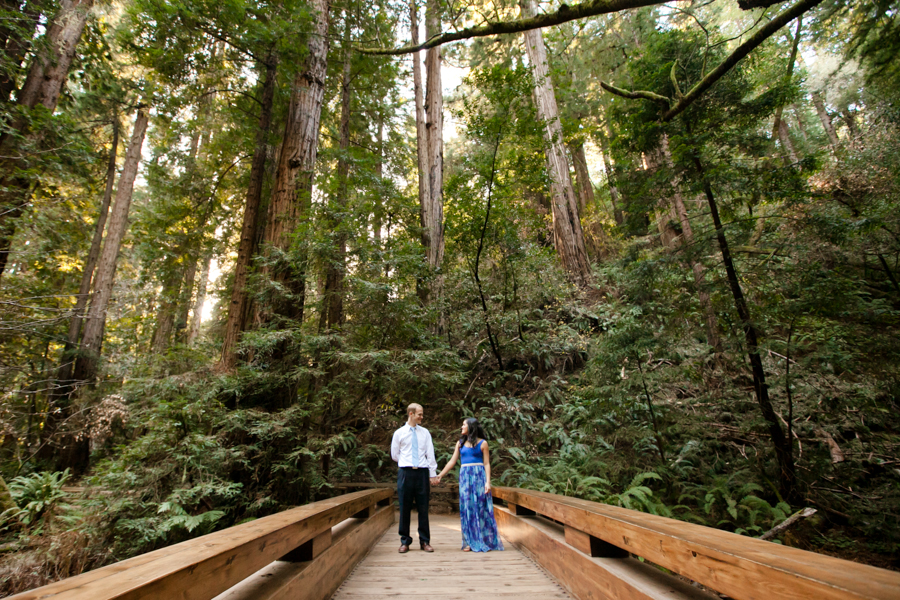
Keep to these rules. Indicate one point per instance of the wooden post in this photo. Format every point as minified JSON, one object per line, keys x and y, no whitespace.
{"x":310,"y":549}
{"x":520,"y":510}
{"x":593,"y":546}
{"x":366,"y":512}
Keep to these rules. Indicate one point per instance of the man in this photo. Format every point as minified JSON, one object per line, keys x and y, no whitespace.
{"x":413,"y":451}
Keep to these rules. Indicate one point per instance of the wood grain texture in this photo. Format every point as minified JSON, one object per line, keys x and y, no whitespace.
{"x":591,"y":545}
{"x":741,"y":567}
{"x":316,"y":579}
{"x":199,"y":569}
{"x":447,"y":573}
{"x":588,"y":578}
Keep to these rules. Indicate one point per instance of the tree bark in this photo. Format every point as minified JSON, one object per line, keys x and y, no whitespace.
{"x":850,"y":120}
{"x":786,"y":143}
{"x":168,"y":308}
{"x":801,"y":126}
{"x":86,"y":364}
{"x":783,"y":446}
{"x":582,"y":177}
{"x":567,"y":234}
{"x":779,"y":128}
{"x":333,"y":301}
{"x":185,"y":299}
{"x":378,"y":205}
{"x":421,"y":135}
{"x":826,"y":120}
{"x":87,"y":274}
{"x":614,"y":195}
{"x":43,"y":86}
{"x":16,"y":42}
{"x":687,"y":239}
{"x":565,"y":14}
{"x":294,"y":175}
{"x":665,"y":216}
{"x":197,"y":310}
{"x":432,"y":212}
{"x":238,"y":309}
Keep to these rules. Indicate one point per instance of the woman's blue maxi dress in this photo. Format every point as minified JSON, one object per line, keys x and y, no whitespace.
{"x":476,"y":509}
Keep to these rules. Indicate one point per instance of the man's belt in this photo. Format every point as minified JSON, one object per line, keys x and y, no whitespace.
{"x":414,"y":468}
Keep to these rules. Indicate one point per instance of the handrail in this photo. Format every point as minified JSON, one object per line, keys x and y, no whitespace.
{"x":741,"y":567}
{"x":203,"y":567}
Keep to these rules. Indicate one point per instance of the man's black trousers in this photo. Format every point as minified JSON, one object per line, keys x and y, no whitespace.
{"x":414,"y":487}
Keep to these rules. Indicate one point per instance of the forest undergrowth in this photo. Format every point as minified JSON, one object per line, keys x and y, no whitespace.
{"x":615,"y":399}
{"x":706,"y":328}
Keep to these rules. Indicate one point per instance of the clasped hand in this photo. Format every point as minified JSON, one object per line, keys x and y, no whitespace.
{"x":435,"y":481}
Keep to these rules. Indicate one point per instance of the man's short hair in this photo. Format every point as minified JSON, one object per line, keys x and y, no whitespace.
{"x":413,"y":408}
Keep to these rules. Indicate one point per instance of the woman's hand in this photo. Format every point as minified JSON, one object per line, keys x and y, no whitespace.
{"x":487,"y":488}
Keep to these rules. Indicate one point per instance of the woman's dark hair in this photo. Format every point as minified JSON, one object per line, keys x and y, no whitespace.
{"x":475,"y":432}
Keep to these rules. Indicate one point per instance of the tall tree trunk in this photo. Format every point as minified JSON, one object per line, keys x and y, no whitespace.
{"x":687,"y":239}
{"x":801,"y":126}
{"x":850,"y":120}
{"x":43,"y":86}
{"x":168,"y":308}
{"x":294,"y":175}
{"x":568,"y":236}
{"x":15,"y":42}
{"x":783,"y":446}
{"x":238,"y":309}
{"x":666,"y":216}
{"x":87,"y":363}
{"x":826,"y":120}
{"x":87,"y":274}
{"x":433,"y":207}
{"x":779,"y":128}
{"x":786,"y":143}
{"x":197,"y":310}
{"x":614,"y":195}
{"x":378,"y":208}
{"x":185,"y":299}
{"x":582,"y":177}
{"x":421,"y":132}
{"x":333,"y":300}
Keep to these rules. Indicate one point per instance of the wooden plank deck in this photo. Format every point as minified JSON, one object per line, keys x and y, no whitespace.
{"x":448,"y":573}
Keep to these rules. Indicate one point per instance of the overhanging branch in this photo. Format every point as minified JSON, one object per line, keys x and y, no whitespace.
{"x":740,"y":52}
{"x":565,"y":14}
{"x":636,"y":95}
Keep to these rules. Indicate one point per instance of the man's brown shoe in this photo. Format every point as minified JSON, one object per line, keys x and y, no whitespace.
{"x":427,"y":548}
{"x":404,"y":548}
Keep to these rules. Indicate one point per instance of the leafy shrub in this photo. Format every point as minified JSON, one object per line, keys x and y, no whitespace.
{"x":37,"y":495}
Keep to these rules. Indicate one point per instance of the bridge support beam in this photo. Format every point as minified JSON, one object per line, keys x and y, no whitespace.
{"x":311,"y":549}
{"x":520,"y":510}
{"x":584,"y":575}
{"x":319,"y":577}
{"x":592,"y":546}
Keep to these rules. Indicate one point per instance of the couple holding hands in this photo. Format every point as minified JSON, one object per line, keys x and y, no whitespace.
{"x":413,"y":451}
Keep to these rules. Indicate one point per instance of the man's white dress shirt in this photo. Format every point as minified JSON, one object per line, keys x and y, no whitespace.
{"x":401,"y":449}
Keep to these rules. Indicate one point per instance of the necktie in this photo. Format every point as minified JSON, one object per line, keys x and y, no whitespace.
{"x":415,"y":447}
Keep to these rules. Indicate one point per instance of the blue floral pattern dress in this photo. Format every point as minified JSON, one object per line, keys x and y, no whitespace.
{"x":476,"y":509}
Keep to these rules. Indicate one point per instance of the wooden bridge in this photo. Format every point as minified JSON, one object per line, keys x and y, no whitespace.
{"x":556,"y":547}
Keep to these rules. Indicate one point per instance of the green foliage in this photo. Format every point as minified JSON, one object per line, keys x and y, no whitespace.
{"x":610,"y":393}
{"x":37,"y":495}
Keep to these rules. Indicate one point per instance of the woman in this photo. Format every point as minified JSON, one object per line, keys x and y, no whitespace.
{"x":476,"y":507}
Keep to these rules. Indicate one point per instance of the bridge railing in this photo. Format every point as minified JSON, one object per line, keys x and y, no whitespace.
{"x":590,"y":548}
{"x":301,"y":553}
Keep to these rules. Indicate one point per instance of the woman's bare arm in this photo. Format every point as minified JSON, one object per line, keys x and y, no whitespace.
{"x":486,"y":455}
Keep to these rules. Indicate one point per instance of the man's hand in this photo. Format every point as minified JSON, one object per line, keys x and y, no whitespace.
{"x":435,"y":481}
